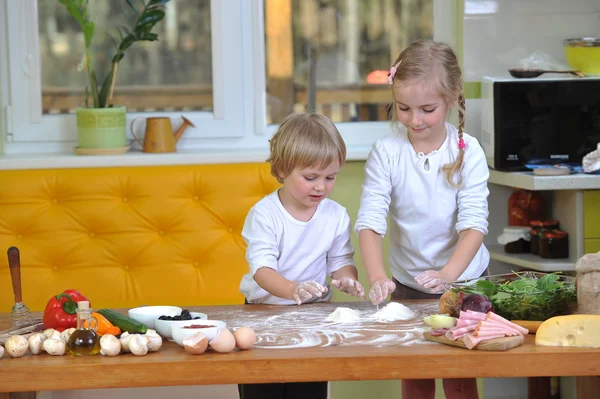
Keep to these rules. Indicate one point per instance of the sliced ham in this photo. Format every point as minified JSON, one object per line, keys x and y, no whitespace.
{"x":494,"y":317}
{"x":437,"y":332}
{"x":466,"y":322}
{"x":455,"y":332}
{"x":471,"y":315}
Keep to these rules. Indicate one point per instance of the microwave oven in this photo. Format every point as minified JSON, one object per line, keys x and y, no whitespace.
{"x":539,"y":120}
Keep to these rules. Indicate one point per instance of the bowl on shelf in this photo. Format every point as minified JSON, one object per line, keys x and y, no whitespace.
{"x":526,"y":295}
{"x":163,"y":327}
{"x":181,"y":330}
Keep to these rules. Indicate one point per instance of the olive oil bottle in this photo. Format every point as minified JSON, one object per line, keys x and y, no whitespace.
{"x":84,"y":341}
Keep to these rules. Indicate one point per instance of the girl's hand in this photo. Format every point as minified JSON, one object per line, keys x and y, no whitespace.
{"x":380,"y":290}
{"x":434,"y":281}
{"x":349,"y":286}
{"x":308,"y":290}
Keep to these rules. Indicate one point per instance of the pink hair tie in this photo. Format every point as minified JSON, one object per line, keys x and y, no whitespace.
{"x":392,"y":73}
{"x":461,"y":144}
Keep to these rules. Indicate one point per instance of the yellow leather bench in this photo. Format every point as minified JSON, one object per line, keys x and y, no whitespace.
{"x":129,"y":236}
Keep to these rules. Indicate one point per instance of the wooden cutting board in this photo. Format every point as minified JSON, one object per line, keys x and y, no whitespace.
{"x":497,"y":344}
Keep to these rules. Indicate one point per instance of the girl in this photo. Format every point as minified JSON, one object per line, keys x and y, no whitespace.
{"x":432,"y":178}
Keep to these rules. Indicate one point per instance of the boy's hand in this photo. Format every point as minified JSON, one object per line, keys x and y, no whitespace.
{"x":380,"y":290}
{"x":307,"y":290}
{"x":434,"y":281}
{"x":349,"y":286}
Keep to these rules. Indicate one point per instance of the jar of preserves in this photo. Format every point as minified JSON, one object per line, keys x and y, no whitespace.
{"x":516,"y":239}
{"x":554,"y":244}
{"x":537,"y":227}
{"x":524,"y":206}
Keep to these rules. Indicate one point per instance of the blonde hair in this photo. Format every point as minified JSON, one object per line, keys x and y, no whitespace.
{"x":304,"y":140}
{"x":435,"y":65}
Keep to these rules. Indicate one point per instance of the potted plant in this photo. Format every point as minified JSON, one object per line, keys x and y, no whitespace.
{"x":100,"y":124}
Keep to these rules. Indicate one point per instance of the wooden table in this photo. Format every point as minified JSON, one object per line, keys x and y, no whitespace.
{"x":359,"y":351}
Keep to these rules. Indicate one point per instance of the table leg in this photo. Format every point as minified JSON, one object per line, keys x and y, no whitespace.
{"x":587,"y":387}
{"x":542,"y":388}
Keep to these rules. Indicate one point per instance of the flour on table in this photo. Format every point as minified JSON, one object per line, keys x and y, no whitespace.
{"x":394,"y":311}
{"x":343,"y":315}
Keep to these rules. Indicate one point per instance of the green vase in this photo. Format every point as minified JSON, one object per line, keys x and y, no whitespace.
{"x":102,"y":127}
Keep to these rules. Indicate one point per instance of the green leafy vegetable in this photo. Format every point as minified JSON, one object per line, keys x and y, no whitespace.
{"x":527,"y":298}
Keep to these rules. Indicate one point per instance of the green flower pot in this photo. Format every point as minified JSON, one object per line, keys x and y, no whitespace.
{"x":102,"y":127}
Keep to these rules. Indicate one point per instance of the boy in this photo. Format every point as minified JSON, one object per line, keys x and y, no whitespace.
{"x":296,"y":236}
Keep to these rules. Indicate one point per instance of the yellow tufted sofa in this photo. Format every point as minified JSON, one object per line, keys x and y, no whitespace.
{"x":128,"y":236}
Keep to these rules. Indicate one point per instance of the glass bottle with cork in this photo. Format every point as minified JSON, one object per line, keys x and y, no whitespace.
{"x":84,"y":341}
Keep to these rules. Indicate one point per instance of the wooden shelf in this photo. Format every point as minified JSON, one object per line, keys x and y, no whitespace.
{"x":529,"y":261}
{"x":528,"y":181}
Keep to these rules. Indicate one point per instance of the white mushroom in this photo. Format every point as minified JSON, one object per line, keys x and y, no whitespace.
{"x":110,"y":345}
{"x":66,"y":334}
{"x":138,"y":345}
{"x":16,"y":345}
{"x":36,"y":343}
{"x":154,"y":340}
{"x":56,"y":335}
{"x":48,"y":332}
{"x":125,"y":337}
{"x":55,"y":347}
{"x":1,"y":351}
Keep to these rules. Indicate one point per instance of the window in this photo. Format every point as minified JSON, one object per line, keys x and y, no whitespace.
{"x":233,"y":67}
{"x":174,"y":73}
{"x":333,"y":56}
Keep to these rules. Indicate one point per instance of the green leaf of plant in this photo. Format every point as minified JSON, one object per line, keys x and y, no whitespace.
{"x":88,"y":33}
{"x":94,"y":88}
{"x":104,"y":91}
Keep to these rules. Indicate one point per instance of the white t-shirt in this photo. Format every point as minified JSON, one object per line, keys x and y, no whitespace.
{"x":299,"y":251}
{"x":426,"y":213}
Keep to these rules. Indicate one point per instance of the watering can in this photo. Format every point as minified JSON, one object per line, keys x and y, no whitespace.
{"x":159,"y":136}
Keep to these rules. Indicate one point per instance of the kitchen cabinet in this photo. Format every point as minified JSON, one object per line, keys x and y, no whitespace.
{"x":574,"y":200}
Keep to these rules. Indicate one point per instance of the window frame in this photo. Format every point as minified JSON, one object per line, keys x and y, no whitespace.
{"x":239,"y":117}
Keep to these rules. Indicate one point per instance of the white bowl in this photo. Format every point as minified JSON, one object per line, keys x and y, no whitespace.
{"x":163,"y":327}
{"x":180,"y":333}
{"x":147,"y":314}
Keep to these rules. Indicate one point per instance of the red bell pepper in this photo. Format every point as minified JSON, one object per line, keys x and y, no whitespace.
{"x":61,"y":310}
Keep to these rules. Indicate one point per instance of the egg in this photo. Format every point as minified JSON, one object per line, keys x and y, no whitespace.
{"x":224,"y":341}
{"x":196,"y":344}
{"x":245,"y":337}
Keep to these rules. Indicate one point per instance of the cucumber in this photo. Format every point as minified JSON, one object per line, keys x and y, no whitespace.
{"x":123,"y":322}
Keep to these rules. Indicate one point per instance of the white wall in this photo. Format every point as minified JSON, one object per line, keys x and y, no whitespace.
{"x":495,"y":42}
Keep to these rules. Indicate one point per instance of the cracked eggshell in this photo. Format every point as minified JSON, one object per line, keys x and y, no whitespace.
{"x":36,"y":343}
{"x":16,"y":345}
{"x":224,"y":342}
{"x":196,"y":344}
{"x":245,"y":337}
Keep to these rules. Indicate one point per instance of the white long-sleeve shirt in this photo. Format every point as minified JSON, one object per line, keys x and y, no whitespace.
{"x":299,"y":251}
{"x":426,"y":213}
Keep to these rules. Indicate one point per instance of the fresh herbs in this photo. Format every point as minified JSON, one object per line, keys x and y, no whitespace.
{"x":527,"y":297}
